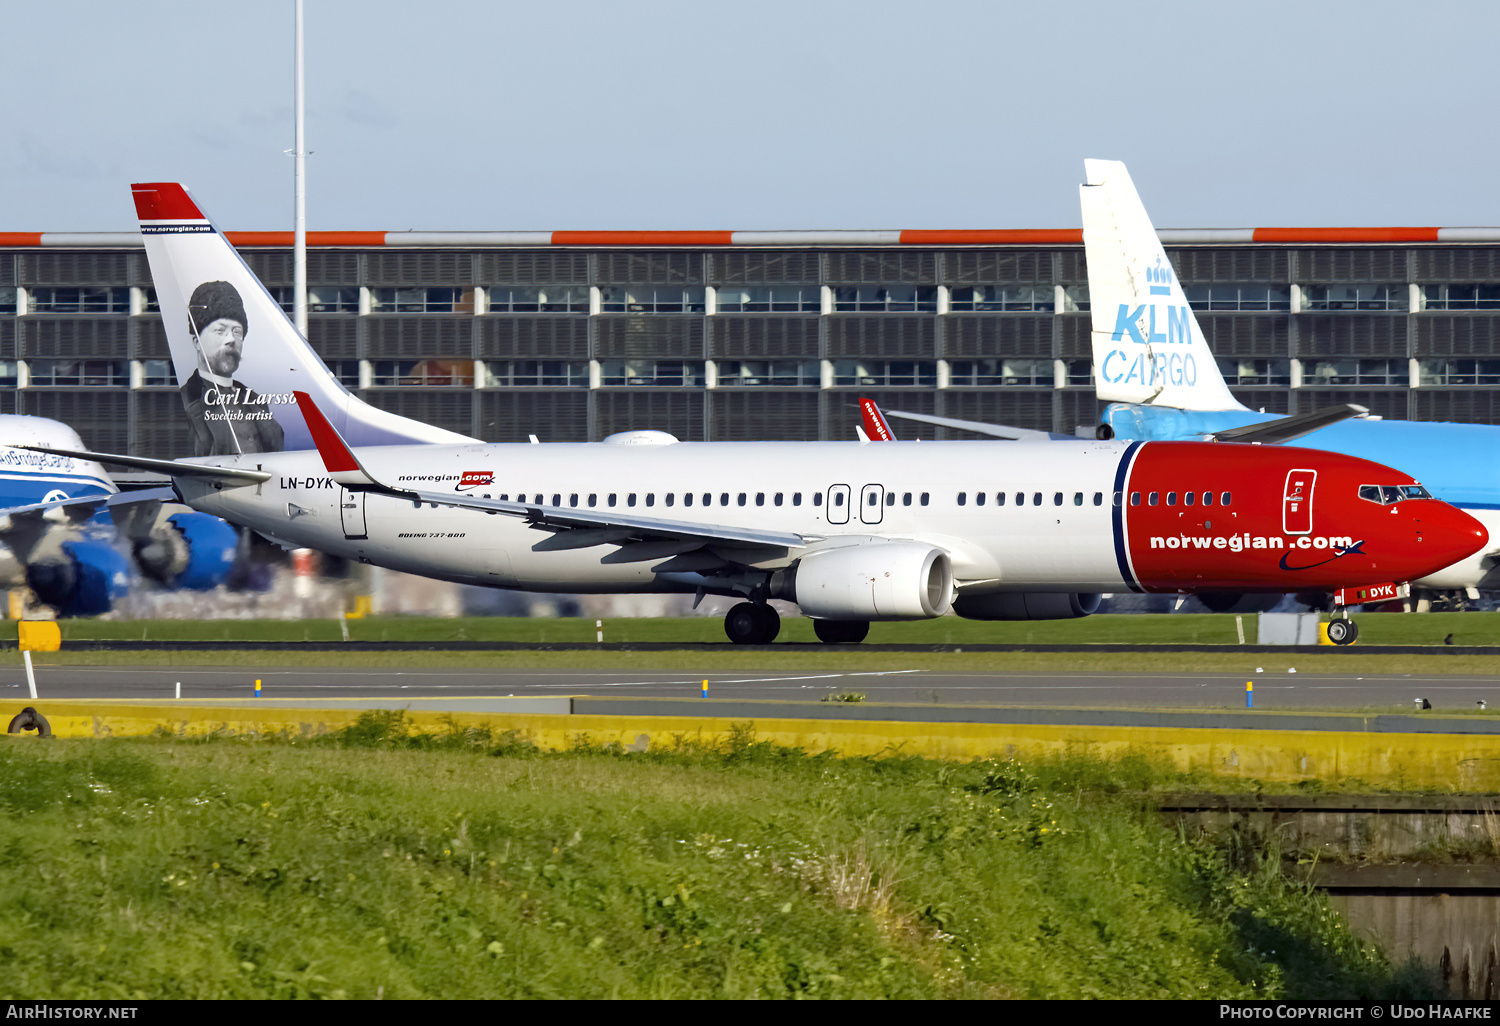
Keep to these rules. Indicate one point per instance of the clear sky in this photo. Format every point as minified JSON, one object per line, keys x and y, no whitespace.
{"x":658,"y":114}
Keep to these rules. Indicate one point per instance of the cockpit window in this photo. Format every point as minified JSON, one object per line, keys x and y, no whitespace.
{"x":1387,"y":495}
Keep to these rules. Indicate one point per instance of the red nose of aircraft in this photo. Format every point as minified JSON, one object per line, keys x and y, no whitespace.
{"x":1283,"y":519}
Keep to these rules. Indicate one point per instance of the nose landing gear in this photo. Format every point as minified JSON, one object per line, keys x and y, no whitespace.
{"x":751,"y":623}
{"x":1342,"y":632}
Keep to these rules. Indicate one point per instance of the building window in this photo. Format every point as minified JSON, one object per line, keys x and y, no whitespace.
{"x":420,"y":300}
{"x":778,"y":373}
{"x":1354,"y":297}
{"x":77,"y":373}
{"x":157,"y":372}
{"x":1080,"y":372}
{"x":769,"y":299}
{"x":539,"y":299}
{"x":76,"y":300}
{"x":1255,"y":372}
{"x":8,"y":376}
{"x":347,"y":371}
{"x":7,"y":299}
{"x":320,"y":298}
{"x":1002,"y":372}
{"x":885,"y":298}
{"x":1076,"y":299}
{"x":1458,"y":372}
{"x":524,"y":373}
{"x":1461,"y":297}
{"x":443,"y":373}
{"x":1239,"y":297}
{"x":885,"y":372}
{"x":1356,"y":372}
{"x":650,"y":299}
{"x":1013,"y":298}
{"x":650,"y":372}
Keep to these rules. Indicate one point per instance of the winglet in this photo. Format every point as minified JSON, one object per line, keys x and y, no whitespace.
{"x":876,"y":427}
{"x":338,"y":459}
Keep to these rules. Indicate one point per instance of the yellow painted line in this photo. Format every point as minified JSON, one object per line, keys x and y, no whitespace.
{"x":1465,"y":761}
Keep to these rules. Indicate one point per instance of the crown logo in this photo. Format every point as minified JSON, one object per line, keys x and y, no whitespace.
{"x":1159,"y":277}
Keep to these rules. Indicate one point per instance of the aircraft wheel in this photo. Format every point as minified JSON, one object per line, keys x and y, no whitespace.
{"x":750,"y":624}
{"x":841,"y":632}
{"x":1342,"y":632}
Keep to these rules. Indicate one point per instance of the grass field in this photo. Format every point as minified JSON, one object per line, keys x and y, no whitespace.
{"x":1468,"y":629}
{"x":373,"y":864}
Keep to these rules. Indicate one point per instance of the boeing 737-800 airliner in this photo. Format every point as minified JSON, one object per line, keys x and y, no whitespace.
{"x":852,"y":532}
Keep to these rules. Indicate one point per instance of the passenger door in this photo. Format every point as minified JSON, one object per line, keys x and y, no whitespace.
{"x":352,"y":513}
{"x":1297,"y":502}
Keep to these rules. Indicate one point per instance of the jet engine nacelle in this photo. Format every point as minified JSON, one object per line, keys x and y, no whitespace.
{"x":1027,"y":605}
{"x":189,"y":550}
{"x":875,"y":581}
{"x":83,"y":577}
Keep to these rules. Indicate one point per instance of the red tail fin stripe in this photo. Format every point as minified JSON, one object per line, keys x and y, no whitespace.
{"x":336,"y":455}
{"x":164,"y":201}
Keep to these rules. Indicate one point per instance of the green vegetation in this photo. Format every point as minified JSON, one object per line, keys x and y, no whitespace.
{"x":1186,"y":629}
{"x":467,"y":864}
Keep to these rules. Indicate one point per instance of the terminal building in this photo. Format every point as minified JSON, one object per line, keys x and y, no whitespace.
{"x":728,"y":336}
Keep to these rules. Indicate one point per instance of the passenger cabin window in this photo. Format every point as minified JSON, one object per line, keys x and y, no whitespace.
{"x":1208,"y":498}
{"x":778,"y":498}
{"x":687,"y":498}
{"x":1171,"y":498}
{"x":961,"y":498}
{"x":760,"y":498}
{"x":1135,"y":498}
{"x":796,"y":498}
{"x":906,"y":498}
{"x":611,"y":498}
{"x":742,"y":498}
{"x":979,"y":498}
{"x":573,"y":499}
{"x":838,"y":499}
{"x":723,"y":498}
{"x":1078,"y":498}
{"x":890,"y":498}
{"x":1188,"y":497}
{"x":924,"y":498}
{"x":1020,"y":498}
{"x":817,"y":498}
{"x":593,"y":498}
{"x":1224,"y":498}
{"x":999,"y":498}
{"x":1057,"y":498}
{"x":1099,"y":498}
{"x":1036,"y":499}
{"x":1151,"y":500}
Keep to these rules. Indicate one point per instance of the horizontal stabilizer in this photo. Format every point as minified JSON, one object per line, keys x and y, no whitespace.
{"x":170,"y":467}
{"x":1274,"y":432}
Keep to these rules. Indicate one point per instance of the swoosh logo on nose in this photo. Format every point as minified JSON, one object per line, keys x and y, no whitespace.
{"x":1354,"y":549}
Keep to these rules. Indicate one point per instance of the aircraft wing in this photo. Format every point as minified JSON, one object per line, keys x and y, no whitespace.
{"x":171,"y":467}
{"x":89,"y":503}
{"x":600,"y":527}
{"x":574,"y":527}
{"x":979,"y":427}
{"x":1284,"y":430}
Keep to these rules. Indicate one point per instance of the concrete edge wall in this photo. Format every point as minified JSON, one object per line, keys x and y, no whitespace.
{"x":1465,"y":762}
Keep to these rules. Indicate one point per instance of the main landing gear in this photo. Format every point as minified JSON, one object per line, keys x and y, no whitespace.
{"x":751,"y":623}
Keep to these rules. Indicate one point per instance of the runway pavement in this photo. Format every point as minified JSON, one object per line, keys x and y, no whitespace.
{"x":1279,"y":690}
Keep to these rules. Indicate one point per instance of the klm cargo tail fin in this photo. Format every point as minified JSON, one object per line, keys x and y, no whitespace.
{"x":1148,"y":347}
{"x":238,"y":359}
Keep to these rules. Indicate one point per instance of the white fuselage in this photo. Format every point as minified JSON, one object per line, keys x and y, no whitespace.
{"x":831,"y":493}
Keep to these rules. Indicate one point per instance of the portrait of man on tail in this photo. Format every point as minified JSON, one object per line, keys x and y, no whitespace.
{"x":227,"y":417}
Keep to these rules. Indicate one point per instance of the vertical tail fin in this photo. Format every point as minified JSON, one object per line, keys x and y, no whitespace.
{"x":1148,"y":347}
{"x":237,"y":356}
{"x":876,"y":427}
